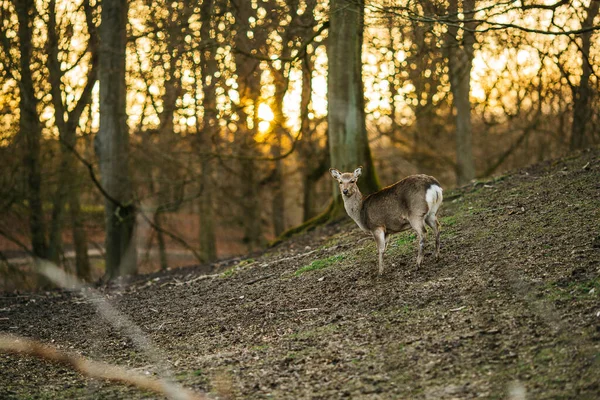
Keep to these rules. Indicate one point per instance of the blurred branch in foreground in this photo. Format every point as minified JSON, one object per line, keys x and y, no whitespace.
{"x":120,"y":322}
{"x":92,"y":369}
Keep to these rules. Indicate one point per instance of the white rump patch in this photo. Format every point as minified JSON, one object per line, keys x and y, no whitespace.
{"x":434,"y":199}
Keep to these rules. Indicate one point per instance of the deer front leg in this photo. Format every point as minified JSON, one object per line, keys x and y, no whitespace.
{"x":379,"y":235}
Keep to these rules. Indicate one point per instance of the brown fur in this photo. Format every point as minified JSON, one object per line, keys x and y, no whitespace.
{"x":380,"y":208}
{"x":393,"y":209}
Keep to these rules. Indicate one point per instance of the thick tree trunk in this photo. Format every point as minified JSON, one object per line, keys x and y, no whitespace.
{"x":30,"y":129}
{"x":581,"y":102}
{"x":348,"y":142}
{"x":112,"y":142}
{"x":460,"y":61}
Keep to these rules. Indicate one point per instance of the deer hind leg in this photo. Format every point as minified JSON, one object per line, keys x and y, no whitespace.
{"x":434,"y":224}
{"x":418,"y":224}
{"x":387,"y":241}
{"x":379,"y":235}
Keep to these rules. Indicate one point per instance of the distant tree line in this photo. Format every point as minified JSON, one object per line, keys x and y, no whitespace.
{"x":209,"y":126}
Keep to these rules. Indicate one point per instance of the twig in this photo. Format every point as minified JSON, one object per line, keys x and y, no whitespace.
{"x":262,"y":278}
{"x":290,"y":258}
{"x":200,"y":278}
{"x":92,"y":369}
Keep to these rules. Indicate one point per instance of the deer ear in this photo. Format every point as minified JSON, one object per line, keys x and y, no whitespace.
{"x":335,"y":173}
{"x":357,"y":172}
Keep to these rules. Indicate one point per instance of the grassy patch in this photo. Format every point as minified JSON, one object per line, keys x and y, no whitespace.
{"x":405,"y":239}
{"x":582,"y":290}
{"x":320,"y":264}
{"x":403,"y":243}
{"x":448,"y":221}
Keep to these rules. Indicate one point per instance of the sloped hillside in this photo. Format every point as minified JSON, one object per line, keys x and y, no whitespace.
{"x":511,"y":309}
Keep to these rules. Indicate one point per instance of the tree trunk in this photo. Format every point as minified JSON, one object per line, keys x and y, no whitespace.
{"x":112,"y":142}
{"x":68,"y":186}
{"x":278,"y":201}
{"x":313,"y":158}
{"x":306,"y":144}
{"x":348,"y":142}
{"x":581,"y":101}
{"x":248,"y":80}
{"x":160,"y":237}
{"x":80,"y":242}
{"x":30,"y":129}
{"x":460,"y":61}
{"x":208,"y":66}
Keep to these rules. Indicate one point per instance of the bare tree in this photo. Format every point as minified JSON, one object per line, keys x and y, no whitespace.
{"x":67,"y":121}
{"x":247,"y":69}
{"x":460,"y":49}
{"x":582,"y":92}
{"x":208,"y":68}
{"x":112,"y":142}
{"x":30,"y":127}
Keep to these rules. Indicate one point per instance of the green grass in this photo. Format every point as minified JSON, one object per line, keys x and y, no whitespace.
{"x":320,"y":264}
{"x":229,"y":273}
{"x":448,"y":221}
{"x":582,"y":290}
{"x":404,"y":242}
{"x":233,"y":270}
{"x":406,"y":239}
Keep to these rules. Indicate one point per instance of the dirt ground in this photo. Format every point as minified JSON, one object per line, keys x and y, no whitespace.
{"x":510,"y":310}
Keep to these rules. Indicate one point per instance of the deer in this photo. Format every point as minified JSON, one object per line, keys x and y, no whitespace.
{"x":412,"y":202}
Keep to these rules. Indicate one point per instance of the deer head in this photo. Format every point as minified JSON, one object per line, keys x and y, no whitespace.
{"x":347,"y":181}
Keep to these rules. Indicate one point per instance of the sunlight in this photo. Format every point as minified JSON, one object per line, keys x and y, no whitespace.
{"x":265,"y":114}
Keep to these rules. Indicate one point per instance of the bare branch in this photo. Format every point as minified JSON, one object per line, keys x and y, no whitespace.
{"x":92,"y":369}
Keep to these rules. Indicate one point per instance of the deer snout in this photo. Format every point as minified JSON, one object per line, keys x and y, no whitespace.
{"x":345,"y":191}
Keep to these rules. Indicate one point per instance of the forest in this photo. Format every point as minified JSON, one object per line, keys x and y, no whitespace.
{"x":170,"y":228}
{"x":142,"y":135}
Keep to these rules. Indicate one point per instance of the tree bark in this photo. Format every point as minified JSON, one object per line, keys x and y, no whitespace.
{"x":112,"y":142}
{"x":209,"y":68}
{"x":460,"y":61}
{"x":313,"y":158}
{"x":248,"y":80}
{"x":80,"y":241}
{"x":68,"y":178}
{"x":278,"y":200}
{"x":348,"y":142}
{"x":30,"y":128}
{"x":581,"y":102}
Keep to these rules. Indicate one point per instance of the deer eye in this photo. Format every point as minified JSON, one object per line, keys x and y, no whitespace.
{"x":352,"y":181}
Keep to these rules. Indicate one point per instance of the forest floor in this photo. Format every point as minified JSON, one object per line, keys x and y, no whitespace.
{"x":510,"y":310}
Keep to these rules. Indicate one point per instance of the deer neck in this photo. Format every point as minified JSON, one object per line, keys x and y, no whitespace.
{"x":353,"y":206}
